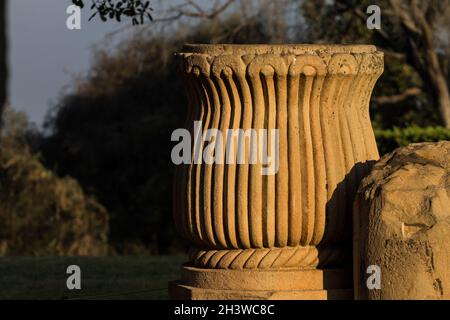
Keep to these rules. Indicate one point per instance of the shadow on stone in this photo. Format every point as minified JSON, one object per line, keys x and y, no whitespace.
{"x":335,"y":250}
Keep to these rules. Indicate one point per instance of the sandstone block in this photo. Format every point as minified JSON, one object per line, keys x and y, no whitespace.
{"x":402,"y":224}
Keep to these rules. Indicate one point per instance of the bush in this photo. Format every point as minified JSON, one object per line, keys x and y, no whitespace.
{"x":41,"y":213}
{"x":388,"y":140}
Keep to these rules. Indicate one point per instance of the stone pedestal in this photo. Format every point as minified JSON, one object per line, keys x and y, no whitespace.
{"x":285,"y":234}
{"x":279,"y":284}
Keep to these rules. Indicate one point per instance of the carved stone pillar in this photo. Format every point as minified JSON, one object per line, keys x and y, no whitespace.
{"x":286,"y":235}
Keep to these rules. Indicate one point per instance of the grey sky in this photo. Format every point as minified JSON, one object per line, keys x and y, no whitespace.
{"x":44,"y":54}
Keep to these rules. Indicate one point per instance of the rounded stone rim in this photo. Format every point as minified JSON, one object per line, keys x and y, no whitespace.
{"x":317,"y":49}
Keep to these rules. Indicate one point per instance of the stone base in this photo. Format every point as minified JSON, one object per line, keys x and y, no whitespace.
{"x":283,"y":284}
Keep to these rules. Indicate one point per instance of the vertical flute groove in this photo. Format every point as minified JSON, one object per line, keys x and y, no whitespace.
{"x":230,"y":182}
{"x":319,"y":162}
{"x":295,"y":173}
{"x":204,"y":116}
{"x":282,"y":184}
{"x":206,"y":187}
{"x":269,"y":215}
{"x":218,"y":176}
{"x":307,"y":161}
{"x":255,"y":183}
{"x":348,"y":157}
{"x":244,"y":169}
{"x":329,"y":90}
{"x":340,"y":191}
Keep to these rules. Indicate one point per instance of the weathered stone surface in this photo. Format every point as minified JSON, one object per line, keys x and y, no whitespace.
{"x":286,"y":284}
{"x":317,"y":97}
{"x":402,"y":224}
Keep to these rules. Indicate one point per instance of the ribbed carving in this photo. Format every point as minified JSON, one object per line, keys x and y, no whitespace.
{"x":318,"y":99}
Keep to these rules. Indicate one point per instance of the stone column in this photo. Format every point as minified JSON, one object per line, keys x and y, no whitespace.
{"x":286,"y":235}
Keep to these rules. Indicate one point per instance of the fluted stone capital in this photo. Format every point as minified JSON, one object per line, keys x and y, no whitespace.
{"x":317,"y":97}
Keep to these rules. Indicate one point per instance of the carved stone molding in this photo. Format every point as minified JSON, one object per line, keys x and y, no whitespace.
{"x":317,"y":97}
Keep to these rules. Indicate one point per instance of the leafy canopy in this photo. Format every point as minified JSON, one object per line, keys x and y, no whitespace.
{"x":111,"y":9}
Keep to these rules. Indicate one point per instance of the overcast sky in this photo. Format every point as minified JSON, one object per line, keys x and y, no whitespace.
{"x":44,"y":54}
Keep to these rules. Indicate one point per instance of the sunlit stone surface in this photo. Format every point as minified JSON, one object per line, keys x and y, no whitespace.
{"x":287,"y":235}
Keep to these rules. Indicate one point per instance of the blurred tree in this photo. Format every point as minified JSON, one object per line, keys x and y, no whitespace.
{"x":113,"y":132}
{"x":414,"y":88}
{"x":3,"y":62}
{"x":414,"y":32}
{"x":41,"y":213}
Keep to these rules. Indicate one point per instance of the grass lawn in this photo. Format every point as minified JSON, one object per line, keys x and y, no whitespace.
{"x":101,"y":277}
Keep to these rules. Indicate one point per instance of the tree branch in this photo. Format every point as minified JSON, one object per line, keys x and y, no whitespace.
{"x":199,"y":13}
{"x":393,"y":54}
{"x":397,"y":98}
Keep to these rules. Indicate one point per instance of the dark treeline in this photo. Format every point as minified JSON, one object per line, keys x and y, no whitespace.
{"x":113,"y":134}
{"x":103,"y":164}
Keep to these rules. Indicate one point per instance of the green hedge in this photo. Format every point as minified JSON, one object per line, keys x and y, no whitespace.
{"x":388,"y":140}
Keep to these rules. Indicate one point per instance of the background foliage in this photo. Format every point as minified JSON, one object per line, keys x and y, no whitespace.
{"x":388,"y":140}
{"x":41,"y":213}
{"x":113,"y":134}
